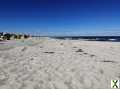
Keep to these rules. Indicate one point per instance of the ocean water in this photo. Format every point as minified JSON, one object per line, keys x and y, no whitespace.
{"x":91,"y":38}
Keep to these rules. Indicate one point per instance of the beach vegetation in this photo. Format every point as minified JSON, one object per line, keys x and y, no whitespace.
{"x":12,"y":36}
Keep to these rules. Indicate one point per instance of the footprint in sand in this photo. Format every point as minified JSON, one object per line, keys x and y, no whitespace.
{"x":3,"y":77}
{"x":24,"y":49}
{"x":88,"y":81}
{"x":101,"y":71}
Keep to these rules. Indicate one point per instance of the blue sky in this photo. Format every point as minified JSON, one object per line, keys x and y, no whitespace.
{"x":60,"y":17}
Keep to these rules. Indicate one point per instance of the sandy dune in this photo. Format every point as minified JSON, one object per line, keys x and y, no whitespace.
{"x":58,"y":64}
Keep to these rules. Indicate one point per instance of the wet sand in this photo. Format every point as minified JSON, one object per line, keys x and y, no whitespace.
{"x":58,"y":64}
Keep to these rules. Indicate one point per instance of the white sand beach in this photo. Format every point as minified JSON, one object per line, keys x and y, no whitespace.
{"x":48,"y":63}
